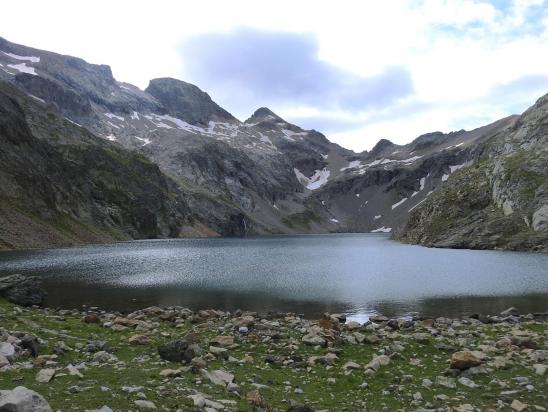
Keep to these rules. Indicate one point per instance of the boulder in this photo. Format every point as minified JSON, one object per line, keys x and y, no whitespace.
{"x":314,"y":340}
{"x":353,"y":325}
{"x":464,"y":360}
{"x":377,"y":362}
{"x":22,"y":290}
{"x":218,"y":377}
{"x":3,"y":361}
{"x":173,"y":351}
{"x":45,"y":375}
{"x":139,"y":340}
{"x":223,"y":341}
{"x":22,"y":399}
{"x":7,"y":350}
{"x":143,"y":404}
{"x":220,"y":353}
{"x":31,"y":343}
{"x":512,"y":311}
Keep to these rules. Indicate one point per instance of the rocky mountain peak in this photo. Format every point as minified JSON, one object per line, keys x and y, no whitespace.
{"x":381,"y":146}
{"x":263,"y":114}
{"x":187,"y":101}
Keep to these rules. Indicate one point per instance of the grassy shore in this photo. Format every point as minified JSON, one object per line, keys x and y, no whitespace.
{"x":272,"y":367}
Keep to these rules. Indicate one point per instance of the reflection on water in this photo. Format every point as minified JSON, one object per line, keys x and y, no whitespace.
{"x":352,"y":273}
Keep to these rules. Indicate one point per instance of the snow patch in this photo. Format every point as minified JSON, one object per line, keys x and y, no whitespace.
{"x":113,"y":125}
{"x":351,"y":165}
{"x":288,"y":134}
{"x":357,"y":195}
{"x":444,"y":178}
{"x":382,"y":229}
{"x":266,"y":139}
{"x":456,"y":167}
{"x":23,"y":68}
{"x":422,"y":182}
{"x":32,"y":59}
{"x":334,"y":220}
{"x":395,"y":205}
{"x":425,"y":198}
{"x":113,"y":116}
{"x":135,"y":116}
{"x":77,"y":124}
{"x":111,"y":137}
{"x":411,"y":159}
{"x":377,"y":217}
{"x":325,"y":156}
{"x":145,"y":140}
{"x":318,"y":179}
{"x":37,"y":98}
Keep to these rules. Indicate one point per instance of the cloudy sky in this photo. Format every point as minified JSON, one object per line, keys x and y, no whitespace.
{"x":356,"y":70}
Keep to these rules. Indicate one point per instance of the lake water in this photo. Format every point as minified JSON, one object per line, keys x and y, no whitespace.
{"x":357,"y":274}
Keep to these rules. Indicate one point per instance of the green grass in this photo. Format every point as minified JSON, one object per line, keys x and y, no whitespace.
{"x":387,"y":390}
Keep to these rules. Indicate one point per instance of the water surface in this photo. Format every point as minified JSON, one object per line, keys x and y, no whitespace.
{"x":353,"y":273}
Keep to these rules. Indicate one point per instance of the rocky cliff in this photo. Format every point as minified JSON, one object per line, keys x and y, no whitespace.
{"x":500,"y":201}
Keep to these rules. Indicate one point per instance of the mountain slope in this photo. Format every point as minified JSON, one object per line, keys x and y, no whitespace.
{"x":501,"y":201}
{"x":55,"y":192}
{"x":168,"y":162}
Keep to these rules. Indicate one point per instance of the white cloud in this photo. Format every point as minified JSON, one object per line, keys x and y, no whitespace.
{"x":457,"y":51}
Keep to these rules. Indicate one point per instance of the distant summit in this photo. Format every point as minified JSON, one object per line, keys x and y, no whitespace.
{"x":264,"y":114}
{"x":186,"y":101}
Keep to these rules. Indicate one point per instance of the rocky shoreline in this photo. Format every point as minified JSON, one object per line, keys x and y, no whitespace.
{"x":176,"y":359}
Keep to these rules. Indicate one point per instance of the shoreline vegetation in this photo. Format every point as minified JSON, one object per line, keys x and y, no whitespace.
{"x":177,"y":359}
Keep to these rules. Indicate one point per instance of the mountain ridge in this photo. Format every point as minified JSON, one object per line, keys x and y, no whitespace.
{"x":261,"y":176}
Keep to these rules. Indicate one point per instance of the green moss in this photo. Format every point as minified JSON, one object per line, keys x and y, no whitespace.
{"x":302,"y":219}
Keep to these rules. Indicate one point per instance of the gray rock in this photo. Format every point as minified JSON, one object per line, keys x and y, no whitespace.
{"x":3,"y":361}
{"x":376,"y":363}
{"x":445,"y":382}
{"x":142,"y":404}
{"x":22,"y":290}
{"x":467,"y":382}
{"x":221,"y":353}
{"x":218,"y":377}
{"x":540,"y":369}
{"x":104,"y":408}
{"x":512,"y":311}
{"x":104,"y":357}
{"x":45,"y":375}
{"x":173,"y":351}
{"x":31,"y":343}
{"x":314,"y":340}
{"x":7,"y":350}
{"x":133,"y":389}
{"x":22,"y":399}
